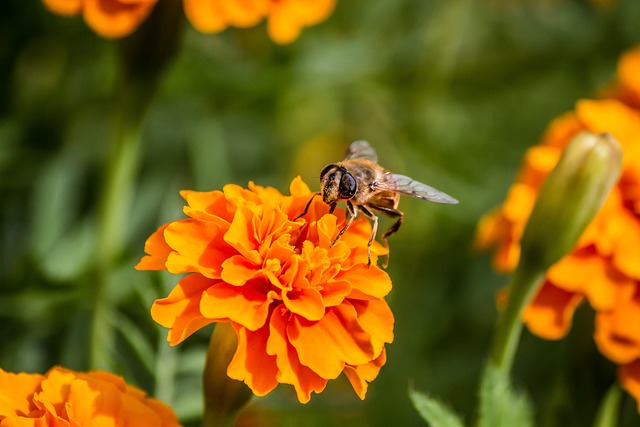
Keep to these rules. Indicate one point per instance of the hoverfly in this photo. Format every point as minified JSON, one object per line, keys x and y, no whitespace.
{"x":366,"y":186}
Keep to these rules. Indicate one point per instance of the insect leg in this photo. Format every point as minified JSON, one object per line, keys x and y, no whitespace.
{"x":374,"y":231}
{"x":353,"y":212}
{"x":306,"y":208}
{"x":394,"y":213}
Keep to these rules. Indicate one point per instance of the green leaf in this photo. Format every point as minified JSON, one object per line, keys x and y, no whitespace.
{"x":434,"y":412}
{"x":500,"y":405}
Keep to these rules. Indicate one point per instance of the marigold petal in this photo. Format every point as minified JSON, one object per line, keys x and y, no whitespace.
{"x":96,"y":403}
{"x":198,"y":247}
{"x":290,"y":370}
{"x":242,"y":235}
{"x":306,"y":302}
{"x":366,"y":282}
{"x":298,"y":188}
{"x":627,"y":251}
{"x":360,"y":376}
{"x":244,"y":13}
{"x":629,"y":375}
{"x":327,"y":345}
{"x":157,"y":249}
{"x":251,"y":363}
{"x":114,"y":18}
{"x":550,"y":313}
{"x":376,"y":318}
{"x":64,"y":7}
{"x":16,"y":392}
{"x":246,"y":305}
{"x":592,"y":275}
{"x":180,"y":311}
{"x":206,"y":15}
{"x":334,"y":292}
{"x":617,"y":333}
{"x":208,"y":206}
{"x":237,"y":270}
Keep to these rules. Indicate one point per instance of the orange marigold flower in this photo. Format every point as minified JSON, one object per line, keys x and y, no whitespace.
{"x":285,"y":18}
{"x":603,"y":269}
{"x":108,"y":18}
{"x":303,"y":310}
{"x":62,"y":397}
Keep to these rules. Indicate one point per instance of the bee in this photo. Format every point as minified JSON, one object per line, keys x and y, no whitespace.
{"x":367,"y":187}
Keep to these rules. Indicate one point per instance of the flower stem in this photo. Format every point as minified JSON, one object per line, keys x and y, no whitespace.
{"x":524,"y":283}
{"x":608,"y":412}
{"x":223,"y":396}
{"x":144,"y":58}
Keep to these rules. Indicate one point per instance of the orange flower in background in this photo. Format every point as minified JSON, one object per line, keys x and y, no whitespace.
{"x":285,"y":18}
{"x":62,"y":397}
{"x":108,"y":18}
{"x":118,"y":18}
{"x":303,"y":311}
{"x":604,"y":268}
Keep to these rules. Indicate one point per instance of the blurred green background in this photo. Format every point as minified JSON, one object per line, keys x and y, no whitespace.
{"x":450,"y":92}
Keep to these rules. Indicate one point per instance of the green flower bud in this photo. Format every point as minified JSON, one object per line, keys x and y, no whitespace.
{"x":223,"y":396}
{"x":570,"y":197}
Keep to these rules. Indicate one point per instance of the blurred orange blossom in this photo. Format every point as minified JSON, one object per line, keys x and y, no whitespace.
{"x":303,"y":311}
{"x":119,"y":18}
{"x":62,"y":397}
{"x":603,"y":269}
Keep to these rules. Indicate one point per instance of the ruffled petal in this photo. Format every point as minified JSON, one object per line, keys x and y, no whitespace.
{"x":360,"y":376}
{"x":290,"y":370}
{"x":246,"y":305}
{"x":115,"y":18}
{"x":251,"y":363}
{"x":180,"y":311}
{"x":158,"y":251}
{"x":550,"y":313}
{"x":327,"y":345}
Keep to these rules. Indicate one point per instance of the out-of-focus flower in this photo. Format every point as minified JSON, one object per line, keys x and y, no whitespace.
{"x":62,"y":397}
{"x":603,"y":269}
{"x":304,"y":311}
{"x":285,"y":18}
{"x":108,"y":18}
{"x":118,"y":18}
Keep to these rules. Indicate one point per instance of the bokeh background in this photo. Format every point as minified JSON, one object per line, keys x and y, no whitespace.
{"x":450,"y":92}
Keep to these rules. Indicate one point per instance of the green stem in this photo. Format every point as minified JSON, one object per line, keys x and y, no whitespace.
{"x":144,"y":57}
{"x":223,"y":397}
{"x":524,"y":283}
{"x":608,"y":412}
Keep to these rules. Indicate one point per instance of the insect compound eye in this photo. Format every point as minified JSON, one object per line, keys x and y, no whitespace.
{"x":348,"y":186}
{"x":326,"y":170}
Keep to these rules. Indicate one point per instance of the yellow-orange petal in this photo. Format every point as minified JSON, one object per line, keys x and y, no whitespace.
{"x":290,"y":370}
{"x":237,"y":270}
{"x":628,"y":67}
{"x":626,"y":256}
{"x":16,"y":392}
{"x":246,"y":305}
{"x":251,"y":363}
{"x":590,"y":274}
{"x":617,"y":333}
{"x":360,"y":376}
{"x":327,"y":345}
{"x":375,"y":317}
{"x":64,"y":7}
{"x":158,"y":251}
{"x":366,"y":282}
{"x":206,"y":16}
{"x":180,"y":311}
{"x":287,"y":18}
{"x":550,"y":312}
{"x":244,"y":13}
{"x":305,"y":302}
{"x":198,"y":246}
{"x":116,"y":18}
{"x":629,"y":375}
{"x":242,"y":235}
{"x":334,"y":292}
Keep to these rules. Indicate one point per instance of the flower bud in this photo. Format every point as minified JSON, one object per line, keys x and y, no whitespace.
{"x":569,"y":198}
{"x":223,"y":396}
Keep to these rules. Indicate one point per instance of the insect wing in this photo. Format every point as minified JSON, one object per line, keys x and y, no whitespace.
{"x":410,"y":187}
{"x":361,"y":150}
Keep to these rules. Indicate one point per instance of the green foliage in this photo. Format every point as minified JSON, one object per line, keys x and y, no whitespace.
{"x":435,"y":413}
{"x":500,"y":405}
